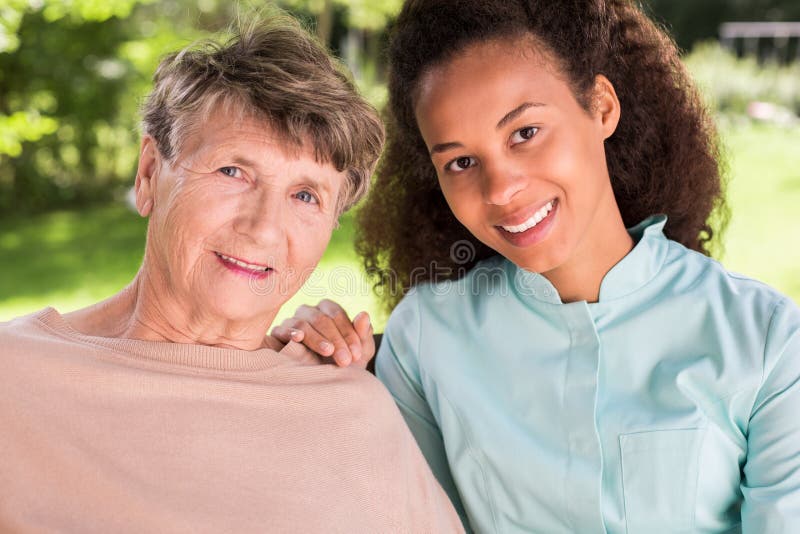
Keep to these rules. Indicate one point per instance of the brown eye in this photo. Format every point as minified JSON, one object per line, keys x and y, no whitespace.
{"x":524,"y":134}
{"x":460,"y":164}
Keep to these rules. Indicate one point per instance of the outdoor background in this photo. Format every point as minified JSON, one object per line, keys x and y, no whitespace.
{"x":73,"y":72}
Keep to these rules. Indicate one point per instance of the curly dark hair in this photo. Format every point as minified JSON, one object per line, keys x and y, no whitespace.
{"x":663,"y":157}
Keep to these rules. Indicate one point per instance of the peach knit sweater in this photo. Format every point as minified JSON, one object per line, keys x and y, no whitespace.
{"x":113,"y":435}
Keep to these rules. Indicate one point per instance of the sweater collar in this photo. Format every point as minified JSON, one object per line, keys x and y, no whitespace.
{"x":631,"y":273}
{"x":200,"y":357}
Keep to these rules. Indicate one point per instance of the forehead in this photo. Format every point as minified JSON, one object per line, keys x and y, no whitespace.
{"x":226,"y":131}
{"x":487,"y":76}
{"x":227,"y":126}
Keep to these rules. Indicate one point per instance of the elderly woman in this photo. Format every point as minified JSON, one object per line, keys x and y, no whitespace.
{"x":166,"y":408}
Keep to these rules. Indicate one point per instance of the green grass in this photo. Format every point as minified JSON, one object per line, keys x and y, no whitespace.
{"x":67,"y":259}
{"x":71,"y":259}
{"x":763,"y":239}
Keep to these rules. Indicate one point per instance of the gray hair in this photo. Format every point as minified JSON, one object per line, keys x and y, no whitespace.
{"x":274,"y":70}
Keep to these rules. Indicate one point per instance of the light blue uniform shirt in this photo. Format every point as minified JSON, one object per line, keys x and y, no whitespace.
{"x":671,"y":405}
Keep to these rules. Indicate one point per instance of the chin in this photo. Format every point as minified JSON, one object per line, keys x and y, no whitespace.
{"x":541,"y":262}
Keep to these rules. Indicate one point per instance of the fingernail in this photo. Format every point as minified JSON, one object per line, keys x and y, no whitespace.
{"x":295,"y":333}
{"x":342,"y":357}
{"x":356,"y":352}
{"x":326,"y":347}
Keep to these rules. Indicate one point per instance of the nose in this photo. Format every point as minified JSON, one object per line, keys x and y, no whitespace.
{"x":500,"y":183}
{"x":260,"y":217}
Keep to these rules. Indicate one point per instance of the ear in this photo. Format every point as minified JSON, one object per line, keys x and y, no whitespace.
{"x":146,"y":175}
{"x":606,"y":105}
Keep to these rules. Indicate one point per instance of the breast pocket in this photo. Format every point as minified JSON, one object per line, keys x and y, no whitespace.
{"x":659,"y":478}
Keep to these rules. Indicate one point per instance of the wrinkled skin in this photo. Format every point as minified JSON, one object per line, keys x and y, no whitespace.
{"x":235,"y":189}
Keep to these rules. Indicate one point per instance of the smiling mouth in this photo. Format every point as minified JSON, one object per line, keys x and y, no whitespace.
{"x":252,"y":267}
{"x":533,"y":220}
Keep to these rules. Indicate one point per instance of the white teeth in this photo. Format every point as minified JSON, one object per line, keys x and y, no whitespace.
{"x":242,"y":264}
{"x":535,"y":219}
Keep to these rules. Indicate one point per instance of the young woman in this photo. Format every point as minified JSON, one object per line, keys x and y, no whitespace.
{"x":589,"y":368}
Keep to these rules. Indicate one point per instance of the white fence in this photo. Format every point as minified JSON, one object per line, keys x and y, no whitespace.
{"x":778,"y":41}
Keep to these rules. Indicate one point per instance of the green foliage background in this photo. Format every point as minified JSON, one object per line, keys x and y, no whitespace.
{"x":73,"y":72}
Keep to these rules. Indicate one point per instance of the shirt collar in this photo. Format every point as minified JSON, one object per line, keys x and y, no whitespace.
{"x":632,"y":272}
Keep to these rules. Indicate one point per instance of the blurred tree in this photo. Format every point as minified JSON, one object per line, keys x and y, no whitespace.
{"x":370,"y":15}
{"x":356,"y":31}
{"x":72,"y":74}
{"x":69,"y":89}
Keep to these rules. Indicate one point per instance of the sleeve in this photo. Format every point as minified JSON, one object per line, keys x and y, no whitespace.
{"x":397,"y":366}
{"x":771,"y":482}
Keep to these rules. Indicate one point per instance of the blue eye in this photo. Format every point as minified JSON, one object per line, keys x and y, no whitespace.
{"x":305,"y":196}
{"x":524,"y":134}
{"x":233,"y":172}
{"x":461,"y":164}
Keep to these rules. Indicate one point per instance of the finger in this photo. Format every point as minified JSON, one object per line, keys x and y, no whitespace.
{"x":362,"y":323}
{"x":363,"y":326}
{"x":309,"y":336}
{"x":346,"y":328}
{"x":285,"y":333}
{"x":329,"y":332}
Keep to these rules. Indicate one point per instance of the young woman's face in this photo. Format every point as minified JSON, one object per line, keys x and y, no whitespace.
{"x":520,"y":162}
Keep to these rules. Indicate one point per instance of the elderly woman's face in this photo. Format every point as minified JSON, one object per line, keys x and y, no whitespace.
{"x":239,"y":220}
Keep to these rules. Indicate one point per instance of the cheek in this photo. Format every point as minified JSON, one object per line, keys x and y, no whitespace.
{"x":309,"y":237}
{"x":576,"y":168}
{"x":194,"y":214}
{"x":464,"y":200}
{"x":306,"y":246}
{"x":592,"y":148}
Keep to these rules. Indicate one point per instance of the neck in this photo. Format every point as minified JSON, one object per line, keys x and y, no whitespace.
{"x":579,"y":279}
{"x":146,"y":310}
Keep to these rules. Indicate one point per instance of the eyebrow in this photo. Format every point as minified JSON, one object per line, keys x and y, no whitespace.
{"x":244,"y":161}
{"x":510,"y":116}
{"x":516,"y":112}
{"x":319,"y":185}
{"x":444,"y":147}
